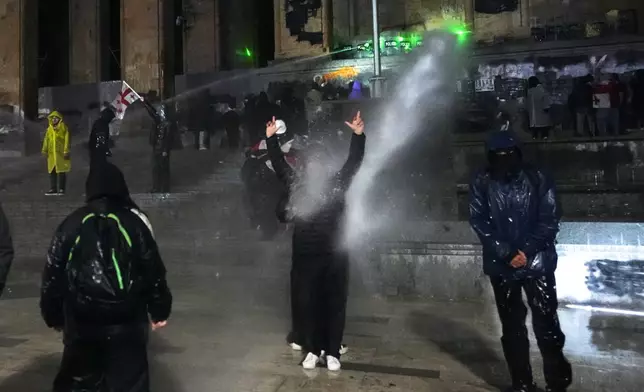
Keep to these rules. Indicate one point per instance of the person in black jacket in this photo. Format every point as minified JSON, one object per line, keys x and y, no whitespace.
{"x":99,"y":138}
{"x":6,"y":250}
{"x":105,"y":340}
{"x":515,"y":213}
{"x":319,"y":271}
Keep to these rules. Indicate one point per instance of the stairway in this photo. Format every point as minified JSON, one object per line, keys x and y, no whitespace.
{"x":200,"y":226}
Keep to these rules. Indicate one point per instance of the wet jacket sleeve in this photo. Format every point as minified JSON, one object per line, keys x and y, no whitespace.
{"x":282,"y":168}
{"x":356,"y":154}
{"x":159,"y":298}
{"x":54,"y":287}
{"x":6,"y":250}
{"x":67,"y":146}
{"x":544,"y":232}
{"x":481,"y":222}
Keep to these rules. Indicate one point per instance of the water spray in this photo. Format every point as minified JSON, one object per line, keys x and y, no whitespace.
{"x":424,"y":92}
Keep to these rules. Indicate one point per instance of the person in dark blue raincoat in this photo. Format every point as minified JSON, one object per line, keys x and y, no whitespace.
{"x":515,"y":213}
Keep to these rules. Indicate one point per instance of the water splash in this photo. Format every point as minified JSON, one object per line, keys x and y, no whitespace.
{"x":419,"y":105}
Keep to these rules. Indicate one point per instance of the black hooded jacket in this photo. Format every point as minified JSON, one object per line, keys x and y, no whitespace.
{"x":107,"y":193}
{"x":99,"y":138}
{"x":514,"y":207}
{"x":317,"y":236}
{"x":6,"y":250}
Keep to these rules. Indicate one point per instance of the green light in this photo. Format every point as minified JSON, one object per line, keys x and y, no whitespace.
{"x":400,"y":39}
{"x":248,"y":53}
{"x":459,"y":29}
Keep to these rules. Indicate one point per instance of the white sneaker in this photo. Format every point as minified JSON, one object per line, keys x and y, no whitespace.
{"x":333,"y":363}
{"x":295,"y":346}
{"x":344,"y":349}
{"x":310,"y":362}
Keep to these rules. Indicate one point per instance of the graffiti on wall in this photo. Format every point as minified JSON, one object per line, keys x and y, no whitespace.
{"x":298,"y":15}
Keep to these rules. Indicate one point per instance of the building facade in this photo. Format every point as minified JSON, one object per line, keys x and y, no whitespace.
{"x":149,"y":42}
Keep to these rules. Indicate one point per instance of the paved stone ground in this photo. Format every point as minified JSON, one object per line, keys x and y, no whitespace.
{"x":231,"y":313}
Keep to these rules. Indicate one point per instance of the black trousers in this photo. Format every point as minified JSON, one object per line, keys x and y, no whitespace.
{"x":160,"y":173}
{"x":319,"y":290}
{"x":542,"y":299}
{"x":57,"y":181}
{"x":104,"y":364}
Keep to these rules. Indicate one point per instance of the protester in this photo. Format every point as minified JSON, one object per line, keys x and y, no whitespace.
{"x":231,"y":123}
{"x":160,"y":142}
{"x":56,"y":147}
{"x":514,"y":211}
{"x":103,"y":281}
{"x":319,"y":271}
{"x":538,"y":109}
{"x":6,"y":250}
{"x":637,"y":98}
{"x":99,"y":138}
{"x":581,"y":102}
{"x":261,"y":187}
{"x":608,"y":99}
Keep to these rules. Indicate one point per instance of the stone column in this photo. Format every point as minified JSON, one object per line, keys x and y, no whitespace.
{"x":84,"y":50}
{"x":19,"y":65}
{"x":142,"y":44}
{"x":201,"y":37}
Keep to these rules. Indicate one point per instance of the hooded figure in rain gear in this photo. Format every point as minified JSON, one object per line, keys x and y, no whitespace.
{"x":55,"y":147}
{"x":99,"y":138}
{"x":103,"y":285}
{"x":319,"y":270}
{"x":515,"y":213}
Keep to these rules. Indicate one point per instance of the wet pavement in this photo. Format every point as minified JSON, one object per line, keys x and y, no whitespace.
{"x":228,"y":334}
{"x":231,"y":317}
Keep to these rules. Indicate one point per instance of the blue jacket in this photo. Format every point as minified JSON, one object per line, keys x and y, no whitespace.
{"x":522,"y":214}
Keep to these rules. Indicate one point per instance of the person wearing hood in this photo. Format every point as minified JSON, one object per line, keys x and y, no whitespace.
{"x":515,"y":212}
{"x":320,"y":266}
{"x":538,"y":102}
{"x":104,"y":285}
{"x":56,"y":147}
{"x":99,"y":138}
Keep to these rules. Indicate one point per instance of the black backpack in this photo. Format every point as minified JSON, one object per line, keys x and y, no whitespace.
{"x":100,"y":270}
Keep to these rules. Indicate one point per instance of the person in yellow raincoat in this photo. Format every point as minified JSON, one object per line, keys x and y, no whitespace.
{"x":56,"y":148}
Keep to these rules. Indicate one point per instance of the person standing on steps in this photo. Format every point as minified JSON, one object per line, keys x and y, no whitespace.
{"x":6,"y":250}
{"x":99,"y":138}
{"x":320,"y":267}
{"x":104,"y":286}
{"x":56,"y":147}
{"x":161,"y":144}
{"x":515,"y":212}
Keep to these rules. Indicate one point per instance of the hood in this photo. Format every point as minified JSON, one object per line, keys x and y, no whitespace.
{"x":105,"y":180}
{"x":502,"y":140}
{"x":108,"y":114}
{"x":504,"y":155}
{"x":52,"y":115}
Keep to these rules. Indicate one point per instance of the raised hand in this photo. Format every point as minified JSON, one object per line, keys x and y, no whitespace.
{"x":271,"y":127}
{"x":357,"y":125}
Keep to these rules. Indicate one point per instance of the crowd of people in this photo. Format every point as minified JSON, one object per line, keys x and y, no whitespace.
{"x":604,"y":107}
{"x":104,"y":283}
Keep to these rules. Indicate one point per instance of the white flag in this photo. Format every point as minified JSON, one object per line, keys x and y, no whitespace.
{"x":127,"y":97}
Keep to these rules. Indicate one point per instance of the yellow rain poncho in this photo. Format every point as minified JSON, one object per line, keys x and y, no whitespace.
{"x":56,"y":145}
